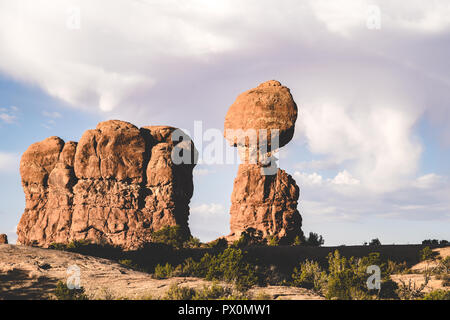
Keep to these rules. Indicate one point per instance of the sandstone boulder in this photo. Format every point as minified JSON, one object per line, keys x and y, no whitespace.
{"x":117,"y":185}
{"x":270,"y":107}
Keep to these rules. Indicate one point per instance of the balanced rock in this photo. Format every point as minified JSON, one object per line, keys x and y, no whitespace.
{"x":3,"y":239}
{"x":270,"y":107}
{"x":117,"y":185}
{"x":261,"y":202}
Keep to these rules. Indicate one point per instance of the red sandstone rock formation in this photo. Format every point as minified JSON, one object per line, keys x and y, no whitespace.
{"x":263,"y":203}
{"x":3,"y":239}
{"x":117,"y":185}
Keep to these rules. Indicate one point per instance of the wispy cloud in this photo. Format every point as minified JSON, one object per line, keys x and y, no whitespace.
{"x":9,"y":115}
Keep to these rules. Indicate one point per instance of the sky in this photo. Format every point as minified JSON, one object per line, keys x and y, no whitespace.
{"x":371,"y":79}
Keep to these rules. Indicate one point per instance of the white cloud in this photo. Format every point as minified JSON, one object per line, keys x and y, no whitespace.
{"x":345,"y":178}
{"x":209,"y":209}
{"x":53,"y":115}
{"x":376,"y":140}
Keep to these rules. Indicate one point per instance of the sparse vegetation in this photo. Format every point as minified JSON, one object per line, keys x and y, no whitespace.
{"x":437,"y":295}
{"x":314,"y":240}
{"x":310,"y":275}
{"x":163,"y":272}
{"x":412,"y":291}
{"x":435,"y":242}
{"x":426,"y":254}
{"x":213,"y":292}
{"x":63,"y":293}
{"x":173,"y":236}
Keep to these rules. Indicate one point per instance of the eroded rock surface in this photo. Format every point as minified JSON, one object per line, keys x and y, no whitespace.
{"x":263,"y":201}
{"x":117,"y":185}
{"x":3,"y":239}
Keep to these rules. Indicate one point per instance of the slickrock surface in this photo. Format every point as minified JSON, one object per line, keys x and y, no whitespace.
{"x":265,"y":203}
{"x":32,"y":273}
{"x":117,"y":185}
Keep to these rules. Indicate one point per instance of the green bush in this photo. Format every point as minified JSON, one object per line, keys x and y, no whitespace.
{"x":177,"y":292}
{"x":173,"y":236}
{"x":314,"y":240}
{"x":229,"y":266}
{"x":310,"y":275}
{"x":426,"y":254}
{"x":375,"y":242}
{"x":220,"y":243}
{"x":213,"y":292}
{"x":163,"y":272}
{"x":192,"y":242}
{"x":347,"y":277}
{"x":437,"y":295}
{"x":298,"y":241}
{"x":63,"y":293}
{"x":272,"y":241}
{"x":393,"y":267}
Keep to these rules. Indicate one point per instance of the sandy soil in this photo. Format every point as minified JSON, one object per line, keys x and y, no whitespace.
{"x":32,"y":273}
{"x":418,"y":278}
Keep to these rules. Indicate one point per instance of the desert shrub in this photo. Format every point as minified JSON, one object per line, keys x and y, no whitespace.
{"x":309,"y":275}
{"x":249,"y":237}
{"x":272,"y":240}
{"x":437,"y":295}
{"x":229,"y":265}
{"x":163,"y":272}
{"x":435,"y":242}
{"x":393,"y":267}
{"x":192,"y":242}
{"x":444,"y":265}
{"x":173,"y":236}
{"x":375,"y":242}
{"x":426,"y":254}
{"x":314,"y":240}
{"x":63,"y":293}
{"x":86,"y":247}
{"x":220,"y":243}
{"x":411,"y":291}
{"x":262,"y":295}
{"x":128,"y":263}
{"x":347,"y":277}
{"x":270,"y":275}
{"x":177,"y":292}
{"x":213,"y":292}
{"x":298,"y":241}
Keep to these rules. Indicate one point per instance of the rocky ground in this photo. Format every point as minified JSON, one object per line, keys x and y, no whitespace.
{"x":32,"y":273}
